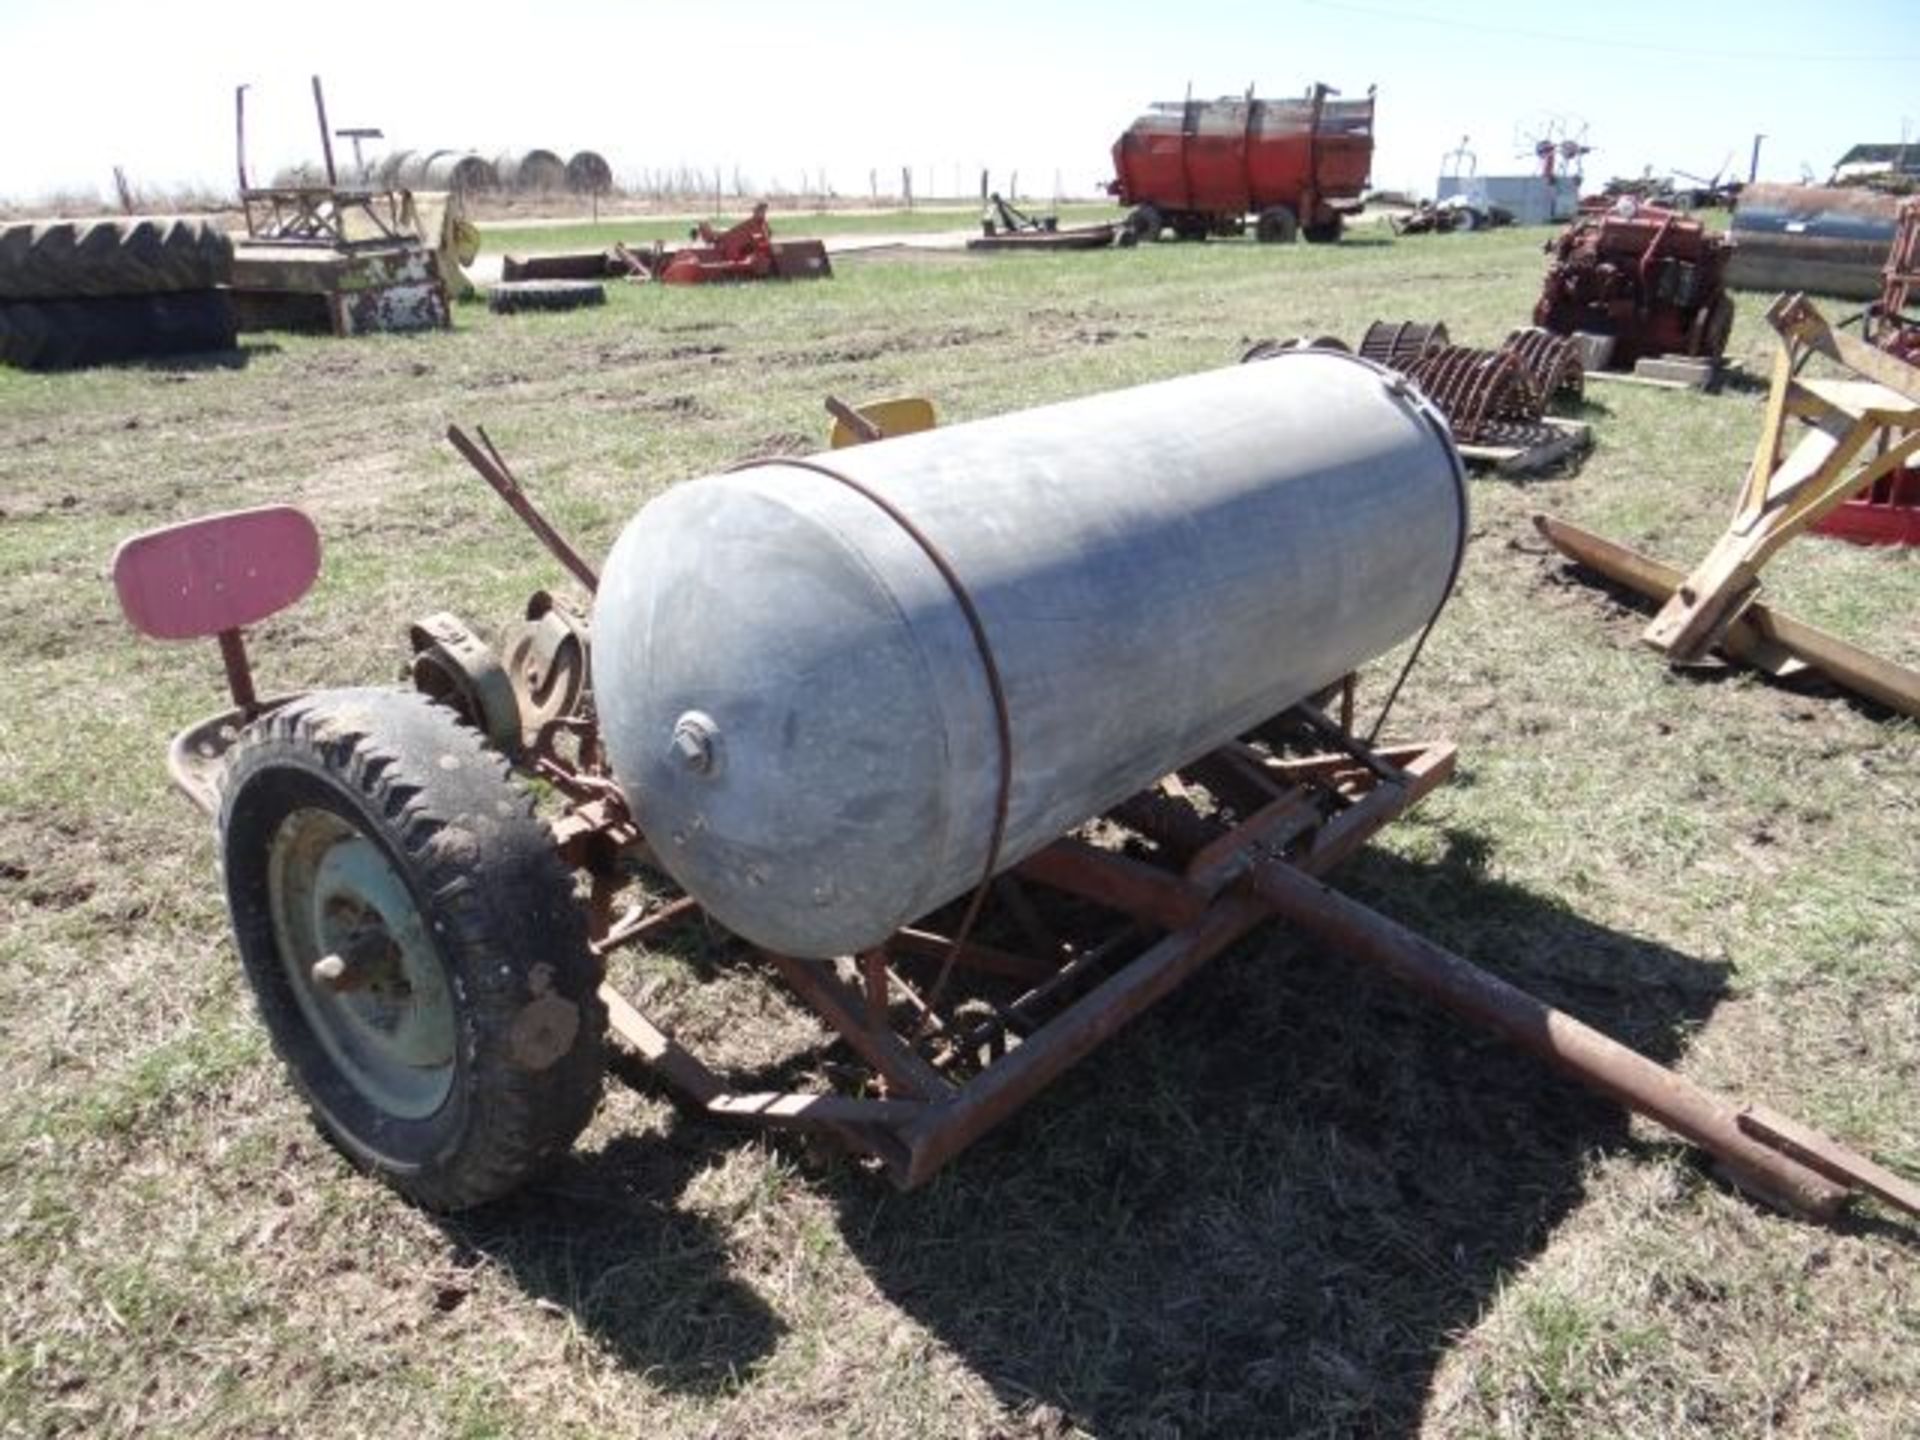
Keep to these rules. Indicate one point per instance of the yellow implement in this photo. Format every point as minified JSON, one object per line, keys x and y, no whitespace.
{"x":1765,"y":639}
{"x":878,"y":420}
{"x":1858,"y":429}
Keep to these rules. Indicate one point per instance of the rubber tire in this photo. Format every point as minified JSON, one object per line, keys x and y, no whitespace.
{"x":1145,"y":223}
{"x":140,"y":255}
{"x":1326,"y":233}
{"x":1277,"y":225}
{"x":72,"y":334}
{"x":483,"y":873}
{"x":517,"y":295}
{"x":1712,"y":330}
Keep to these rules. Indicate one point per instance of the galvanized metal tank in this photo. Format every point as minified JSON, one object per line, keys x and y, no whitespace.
{"x":797,"y":708}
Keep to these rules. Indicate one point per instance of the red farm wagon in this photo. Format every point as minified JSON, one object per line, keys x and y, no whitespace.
{"x":1202,"y":167}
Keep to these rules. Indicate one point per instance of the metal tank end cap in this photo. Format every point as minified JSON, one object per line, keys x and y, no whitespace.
{"x":696,"y":742}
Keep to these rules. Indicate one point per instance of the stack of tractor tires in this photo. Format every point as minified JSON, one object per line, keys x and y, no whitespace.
{"x":75,"y":293}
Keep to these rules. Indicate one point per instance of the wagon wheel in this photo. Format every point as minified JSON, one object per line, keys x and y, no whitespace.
{"x":1144,"y":222}
{"x":412,"y":941}
{"x":1326,"y":232}
{"x":1276,"y":225}
{"x":1188,"y":225}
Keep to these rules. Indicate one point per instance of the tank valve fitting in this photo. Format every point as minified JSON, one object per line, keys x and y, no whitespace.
{"x":696,"y":740}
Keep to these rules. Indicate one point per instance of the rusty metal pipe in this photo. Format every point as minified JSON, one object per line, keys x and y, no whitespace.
{"x":326,"y":140}
{"x":493,"y":470}
{"x":240,"y":134}
{"x":233,"y":655}
{"x":1555,"y":1036}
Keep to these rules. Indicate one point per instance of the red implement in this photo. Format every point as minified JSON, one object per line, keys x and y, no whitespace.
{"x":1651,"y":278}
{"x":746,"y":251}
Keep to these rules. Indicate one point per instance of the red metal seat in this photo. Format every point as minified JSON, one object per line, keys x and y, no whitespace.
{"x":216,"y":574}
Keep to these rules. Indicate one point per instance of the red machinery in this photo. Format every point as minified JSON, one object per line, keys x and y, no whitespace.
{"x":1887,"y":512}
{"x":1888,"y":324}
{"x":1200,"y":167}
{"x":1652,"y":279}
{"x":746,"y":251}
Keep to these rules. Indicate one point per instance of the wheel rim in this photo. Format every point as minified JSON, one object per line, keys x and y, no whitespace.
{"x":387,"y":1023}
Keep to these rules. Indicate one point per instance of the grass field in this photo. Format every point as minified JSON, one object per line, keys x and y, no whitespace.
{"x":1290,"y":1201}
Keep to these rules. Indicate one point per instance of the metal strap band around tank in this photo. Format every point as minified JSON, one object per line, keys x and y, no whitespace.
{"x":1003,"y":724}
{"x":1437,"y":423}
{"x":1430,"y":414}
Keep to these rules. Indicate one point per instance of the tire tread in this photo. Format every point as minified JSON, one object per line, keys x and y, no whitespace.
{"x":390,"y":749}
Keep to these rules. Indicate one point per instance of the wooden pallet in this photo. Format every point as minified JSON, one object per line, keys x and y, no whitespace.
{"x":1528,"y":448}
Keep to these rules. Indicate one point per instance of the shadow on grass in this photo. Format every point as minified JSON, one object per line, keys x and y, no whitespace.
{"x":1267,"y":1207}
{"x":202,"y":361}
{"x":605,"y":1242}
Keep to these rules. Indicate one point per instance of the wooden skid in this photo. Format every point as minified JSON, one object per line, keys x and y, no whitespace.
{"x":1673,"y":372}
{"x":1760,"y":636}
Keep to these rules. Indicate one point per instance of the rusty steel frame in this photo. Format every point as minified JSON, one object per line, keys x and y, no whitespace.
{"x":1180,"y":872}
{"x":1488,"y":396}
{"x":314,"y":214}
{"x":318,"y":215}
{"x":942,"y":1077}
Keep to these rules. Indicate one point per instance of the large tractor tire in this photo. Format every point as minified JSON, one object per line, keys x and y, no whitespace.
{"x":1276,"y":225}
{"x":413,"y":942}
{"x":73,"y":334}
{"x":64,"y":259}
{"x":1326,"y":232}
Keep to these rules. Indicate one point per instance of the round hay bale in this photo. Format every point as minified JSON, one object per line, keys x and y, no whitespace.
{"x":531,"y":170}
{"x":388,"y":169}
{"x":589,"y":174}
{"x":454,"y":171}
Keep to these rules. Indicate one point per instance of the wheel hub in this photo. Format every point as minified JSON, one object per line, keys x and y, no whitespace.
{"x":361,"y":964}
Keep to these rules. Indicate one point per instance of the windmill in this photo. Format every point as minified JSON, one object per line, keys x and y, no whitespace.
{"x":1557,"y":143}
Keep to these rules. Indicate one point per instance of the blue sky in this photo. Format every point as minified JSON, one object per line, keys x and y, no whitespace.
{"x":773,"y":90}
